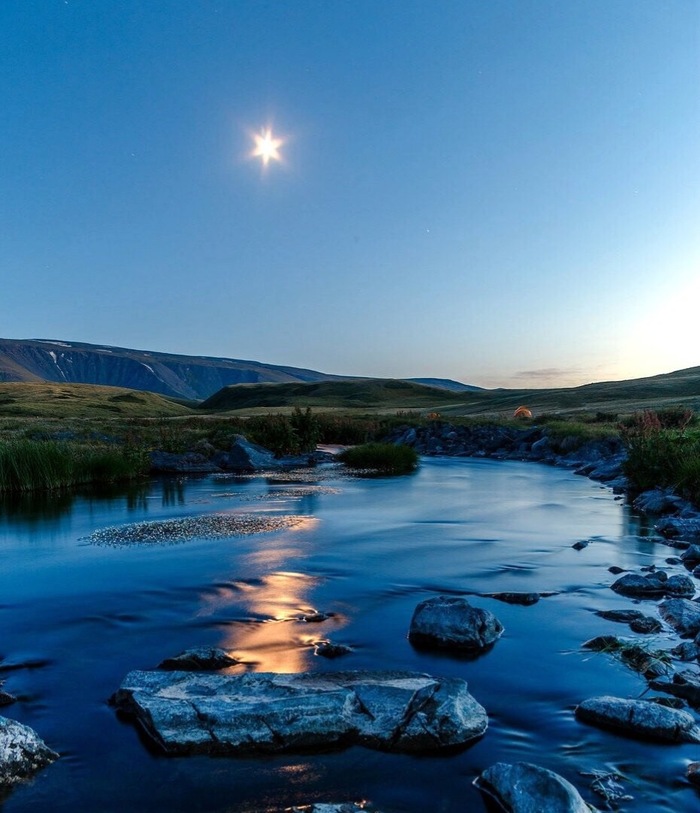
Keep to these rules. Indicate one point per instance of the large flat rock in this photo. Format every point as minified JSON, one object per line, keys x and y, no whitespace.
{"x":187,"y":712}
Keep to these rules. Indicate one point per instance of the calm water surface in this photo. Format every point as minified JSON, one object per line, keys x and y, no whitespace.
{"x":83,"y":615}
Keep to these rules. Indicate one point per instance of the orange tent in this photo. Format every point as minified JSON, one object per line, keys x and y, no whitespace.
{"x":522,"y":412}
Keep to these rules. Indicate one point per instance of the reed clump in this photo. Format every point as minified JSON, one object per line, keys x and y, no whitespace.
{"x":45,"y":465}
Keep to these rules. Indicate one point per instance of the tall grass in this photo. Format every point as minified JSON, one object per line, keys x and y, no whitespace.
{"x":662,"y":456}
{"x":33,"y":465}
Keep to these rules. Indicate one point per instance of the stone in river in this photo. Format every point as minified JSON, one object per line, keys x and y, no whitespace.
{"x":22,"y":752}
{"x":451,"y":622}
{"x":262,"y":713}
{"x":328,"y":649}
{"x":639,"y":718}
{"x":526,"y":788}
{"x":199,"y":659}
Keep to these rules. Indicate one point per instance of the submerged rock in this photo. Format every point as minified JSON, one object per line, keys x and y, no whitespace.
{"x":526,"y":788}
{"x":639,"y":718}
{"x":22,"y":752}
{"x":451,"y":622}
{"x":327,"y":649}
{"x":525,"y":599}
{"x":199,"y":659}
{"x":693,"y":773}
{"x":264,"y":713}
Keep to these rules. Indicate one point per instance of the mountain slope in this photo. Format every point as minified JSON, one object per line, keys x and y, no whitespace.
{"x":189,"y":377}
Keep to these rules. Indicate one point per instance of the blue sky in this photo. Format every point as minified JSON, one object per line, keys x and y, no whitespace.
{"x":505,"y":192}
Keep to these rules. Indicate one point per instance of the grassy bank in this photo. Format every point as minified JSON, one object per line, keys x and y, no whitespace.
{"x":35,"y":465}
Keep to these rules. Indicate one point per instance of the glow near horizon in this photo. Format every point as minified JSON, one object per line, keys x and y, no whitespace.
{"x":506,"y":194}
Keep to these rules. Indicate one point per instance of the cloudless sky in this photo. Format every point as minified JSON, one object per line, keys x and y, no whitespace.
{"x":504,"y":192}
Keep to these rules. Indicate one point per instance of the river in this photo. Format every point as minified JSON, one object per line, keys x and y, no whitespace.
{"x":77,"y":614}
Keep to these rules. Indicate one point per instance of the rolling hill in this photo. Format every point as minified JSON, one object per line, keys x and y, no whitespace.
{"x":680,"y":387}
{"x":369,"y":393}
{"x":38,"y":399}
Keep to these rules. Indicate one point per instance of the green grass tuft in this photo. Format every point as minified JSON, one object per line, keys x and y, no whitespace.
{"x":384,"y":458}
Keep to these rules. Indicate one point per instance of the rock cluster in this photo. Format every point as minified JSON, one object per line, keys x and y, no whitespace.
{"x":598,"y":459}
{"x":242,"y":456}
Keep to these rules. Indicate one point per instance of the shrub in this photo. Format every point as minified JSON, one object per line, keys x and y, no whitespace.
{"x":384,"y":458}
{"x":274,"y":432}
{"x":307,"y":429}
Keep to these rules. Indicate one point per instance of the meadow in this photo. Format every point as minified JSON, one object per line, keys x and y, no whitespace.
{"x":59,"y":435}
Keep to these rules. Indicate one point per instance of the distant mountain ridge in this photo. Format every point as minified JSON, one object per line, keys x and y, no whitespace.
{"x":192,"y":378}
{"x":188,"y":377}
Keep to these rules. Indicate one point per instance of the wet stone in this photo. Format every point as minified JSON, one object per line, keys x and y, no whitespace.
{"x":639,"y":718}
{"x":451,"y":622}
{"x":526,"y":788}
{"x":682,"y":615}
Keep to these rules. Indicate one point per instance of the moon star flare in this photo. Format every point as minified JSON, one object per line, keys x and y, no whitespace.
{"x":267,"y":147}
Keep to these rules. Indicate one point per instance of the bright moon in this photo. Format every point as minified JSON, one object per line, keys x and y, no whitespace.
{"x":267,"y":147}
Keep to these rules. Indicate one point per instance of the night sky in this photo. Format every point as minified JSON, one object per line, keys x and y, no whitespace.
{"x":503,"y":193}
